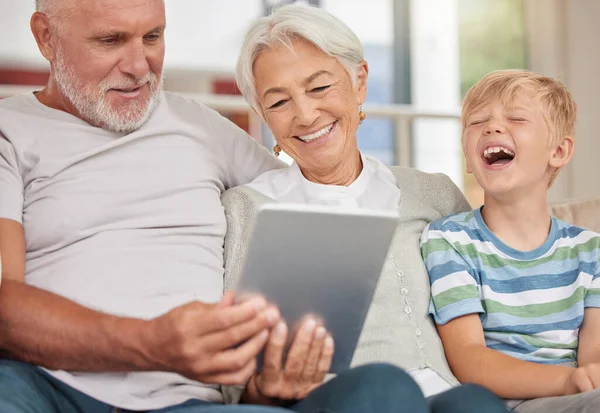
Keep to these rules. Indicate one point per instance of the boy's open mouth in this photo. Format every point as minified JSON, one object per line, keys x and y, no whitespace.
{"x":498,"y":155}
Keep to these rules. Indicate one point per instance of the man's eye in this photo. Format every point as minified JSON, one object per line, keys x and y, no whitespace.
{"x":277,"y":104}
{"x":109,"y":40}
{"x":152,"y":37}
{"x":320,"y":89}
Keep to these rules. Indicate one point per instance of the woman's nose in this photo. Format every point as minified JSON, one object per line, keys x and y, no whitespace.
{"x":306,"y":112}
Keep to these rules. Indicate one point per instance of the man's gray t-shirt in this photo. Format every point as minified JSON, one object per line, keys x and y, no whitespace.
{"x":130,"y":225}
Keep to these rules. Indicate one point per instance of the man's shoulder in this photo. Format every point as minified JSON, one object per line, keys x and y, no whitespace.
{"x":192,"y":112}
{"x":188,"y":106}
{"x":180,"y":100}
{"x":20,"y":119}
{"x":19,"y":102}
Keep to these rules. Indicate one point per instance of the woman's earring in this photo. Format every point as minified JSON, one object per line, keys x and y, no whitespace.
{"x":361,"y":114}
{"x":276,"y":149}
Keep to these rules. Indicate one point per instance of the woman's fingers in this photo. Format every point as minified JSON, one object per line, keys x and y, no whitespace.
{"x":314,"y":355}
{"x":300,"y":348}
{"x":325,"y":360}
{"x":305,"y":367}
{"x":273,"y":356}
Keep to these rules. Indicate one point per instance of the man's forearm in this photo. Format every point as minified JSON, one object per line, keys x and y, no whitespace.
{"x":48,"y":330}
{"x":507,"y":376}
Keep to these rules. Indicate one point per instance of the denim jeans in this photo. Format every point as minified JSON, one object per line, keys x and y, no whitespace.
{"x":377,"y":388}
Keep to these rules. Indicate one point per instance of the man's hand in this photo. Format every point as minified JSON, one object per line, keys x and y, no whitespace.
{"x":212,"y":343}
{"x":583,"y":379}
{"x":308,"y":361}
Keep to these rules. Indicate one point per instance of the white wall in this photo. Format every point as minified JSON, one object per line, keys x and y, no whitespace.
{"x":201,"y":34}
{"x":17,"y":46}
{"x":371,"y":20}
{"x":207,"y":34}
{"x":583,"y":79}
{"x":563,"y":37}
{"x":436,"y":86}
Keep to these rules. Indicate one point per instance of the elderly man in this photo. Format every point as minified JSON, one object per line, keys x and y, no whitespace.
{"x":111,"y":235}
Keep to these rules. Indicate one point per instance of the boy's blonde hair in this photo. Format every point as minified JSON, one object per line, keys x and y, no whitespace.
{"x":560,"y":111}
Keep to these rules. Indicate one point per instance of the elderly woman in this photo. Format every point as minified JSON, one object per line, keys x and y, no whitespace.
{"x":303,"y":71}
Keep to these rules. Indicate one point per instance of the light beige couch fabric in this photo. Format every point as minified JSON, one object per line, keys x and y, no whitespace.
{"x":581,"y":213}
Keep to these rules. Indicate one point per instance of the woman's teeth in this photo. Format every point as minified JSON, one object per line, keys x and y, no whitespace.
{"x":317,"y":134}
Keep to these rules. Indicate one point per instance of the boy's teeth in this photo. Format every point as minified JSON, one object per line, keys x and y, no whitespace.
{"x":316,"y":135}
{"x":497,"y":149}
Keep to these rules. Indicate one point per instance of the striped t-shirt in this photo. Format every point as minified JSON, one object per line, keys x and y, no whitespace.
{"x":531,"y":304}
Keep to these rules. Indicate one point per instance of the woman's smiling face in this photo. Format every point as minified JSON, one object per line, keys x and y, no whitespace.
{"x":310,"y":103}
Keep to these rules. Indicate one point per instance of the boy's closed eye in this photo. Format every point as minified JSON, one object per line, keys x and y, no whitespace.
{"x":476,"y":122}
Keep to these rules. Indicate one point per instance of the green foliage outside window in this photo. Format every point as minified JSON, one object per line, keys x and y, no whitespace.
{"x":491,"y":37}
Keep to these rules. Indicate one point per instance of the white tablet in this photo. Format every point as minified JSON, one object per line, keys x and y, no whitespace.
{"x":322,"y":261}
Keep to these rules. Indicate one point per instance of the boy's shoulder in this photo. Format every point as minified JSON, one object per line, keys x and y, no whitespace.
{"x":577,"y":235}
{"x":456,"y":222}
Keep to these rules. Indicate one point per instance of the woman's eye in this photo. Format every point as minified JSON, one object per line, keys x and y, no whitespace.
{"x":277,"y":104}
{"x":320,"y":88}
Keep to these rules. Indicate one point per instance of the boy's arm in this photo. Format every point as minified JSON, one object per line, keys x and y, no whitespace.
{"x":589,"y":338}
{"x":510,"y":378}
{"x":455,"y":304}
{"x":588,"y":351}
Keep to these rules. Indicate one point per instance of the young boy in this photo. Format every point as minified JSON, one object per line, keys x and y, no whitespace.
{"x":515,"y":292}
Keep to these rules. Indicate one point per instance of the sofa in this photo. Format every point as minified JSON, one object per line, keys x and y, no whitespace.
{"x":582,"y":213}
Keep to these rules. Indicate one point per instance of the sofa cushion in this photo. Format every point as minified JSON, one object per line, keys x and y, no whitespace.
{"x":581,"y":213}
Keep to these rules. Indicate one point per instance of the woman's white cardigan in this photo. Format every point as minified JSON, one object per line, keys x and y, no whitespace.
{"x":398,"y":329}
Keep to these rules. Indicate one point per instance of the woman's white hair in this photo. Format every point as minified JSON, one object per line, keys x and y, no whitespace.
{"x":291,"y":22}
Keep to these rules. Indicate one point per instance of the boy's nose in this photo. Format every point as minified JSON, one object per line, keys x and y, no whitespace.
{"x":495,"y":127}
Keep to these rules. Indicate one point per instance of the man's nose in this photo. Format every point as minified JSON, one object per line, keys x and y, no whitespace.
{"x":135,"y":61}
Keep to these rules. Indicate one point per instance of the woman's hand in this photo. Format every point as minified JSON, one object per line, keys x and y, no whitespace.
{"x":308,"y":361}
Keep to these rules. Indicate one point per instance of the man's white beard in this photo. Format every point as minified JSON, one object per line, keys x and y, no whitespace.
{"x":92,"y":102}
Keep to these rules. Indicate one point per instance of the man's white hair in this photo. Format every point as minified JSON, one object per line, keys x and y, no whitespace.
{"x":56,"y":10}
{"x":49,"y":5}
{"x":291,"y":22}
